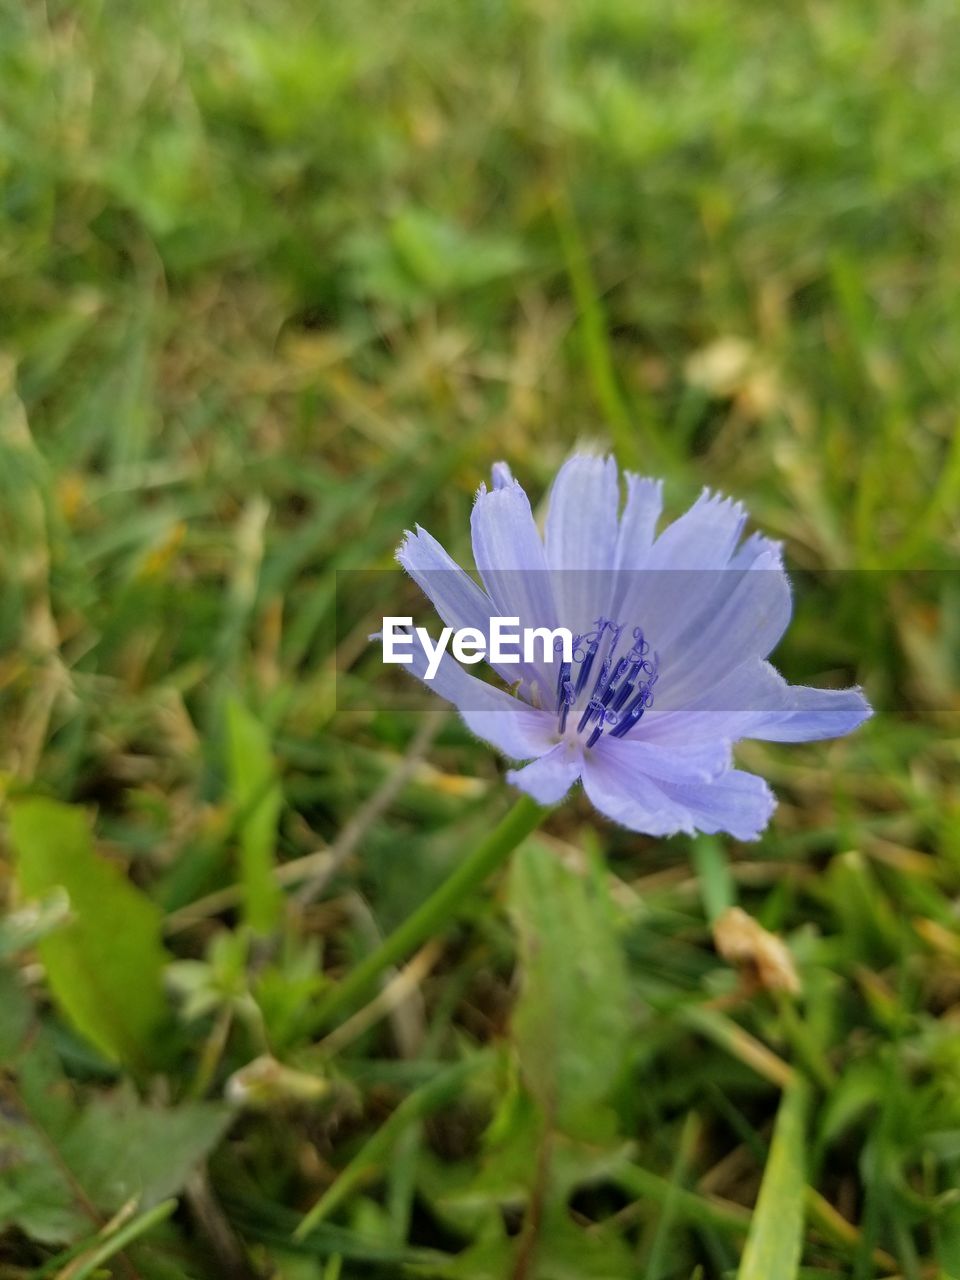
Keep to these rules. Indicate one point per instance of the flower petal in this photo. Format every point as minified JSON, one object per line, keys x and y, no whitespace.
{"x":732,"y":801}
{"x":685,"y":762}
{"x":705,"y":537}
{"x":639,"y":521}
{"x":506,"y":538}
{"x":581,"y":539}
{"x":502,"y":475}
{"x":629,"y":797}
{"x":458,"y":600}
{"x":812,"y":715}
{"x":634,"y":540}
{"x":687,"y":576}
{"x":750,"y":554}
{"x":736,"y":802}
{"x":510,"y":557}
{"x":754,"y":701}
{"x":549,"y":778}
{"x":741,"y":615}
{"x":581,"y":526}
{"x":513,"y":727}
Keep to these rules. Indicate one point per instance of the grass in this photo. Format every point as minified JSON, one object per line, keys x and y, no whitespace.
{"x":278,"y":285}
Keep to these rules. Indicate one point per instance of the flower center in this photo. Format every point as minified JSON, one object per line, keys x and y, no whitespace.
{"x":622,"y":688}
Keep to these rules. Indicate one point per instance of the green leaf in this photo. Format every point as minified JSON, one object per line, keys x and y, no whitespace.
{"x":114,"y":1151}
{"x":567,"y":1252}
{"x":257,"y":798}
{"x":118,"y":1148}
{"x":775,"y":1240}
{"x":443,"y":257}
{"x":104,"y":967}
{"x":572,"y":1022}
{"x":36,"y":1194}
{"x":67,"y":1168}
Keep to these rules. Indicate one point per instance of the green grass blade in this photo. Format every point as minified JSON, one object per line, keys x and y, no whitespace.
{"x":258,"y":800}
{"x":774,"y":1243}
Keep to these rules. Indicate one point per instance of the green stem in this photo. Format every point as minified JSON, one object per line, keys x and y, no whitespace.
{"x":442,"y":905}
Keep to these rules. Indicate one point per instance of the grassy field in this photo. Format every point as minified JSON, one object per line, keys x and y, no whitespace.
{"x":279,"y":281}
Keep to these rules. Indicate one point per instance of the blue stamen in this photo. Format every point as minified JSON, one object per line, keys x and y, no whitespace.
{"x":633,"y":711}
{"x":617,"y":700}
{"x":623,"y":693}
{"x":594,"y":707}
{"x":563,"y":680}
{"x":587,"y":664}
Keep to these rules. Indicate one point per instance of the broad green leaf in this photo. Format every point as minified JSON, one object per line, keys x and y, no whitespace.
{"x":67,"y":1168}
{"x":775,"y":1240}
{"x":105,"y":966}
{"x":35,"y":1190}
{"x":119,"y":1148}
{"x":114,"y":1151}
{"x":572,"y":1022}
{"x":257,"y":800}
{"x":35,"y":1195}
{"x":442,"y":257}
{"x":568,"y":1252}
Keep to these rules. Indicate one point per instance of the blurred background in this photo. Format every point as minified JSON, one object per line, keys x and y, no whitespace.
{"x":277,"y":282}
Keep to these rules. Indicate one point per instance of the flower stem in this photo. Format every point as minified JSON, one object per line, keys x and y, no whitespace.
{"x":442,"y":905}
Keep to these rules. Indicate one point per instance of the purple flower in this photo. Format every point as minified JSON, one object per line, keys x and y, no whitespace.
{"x":671,"y":635}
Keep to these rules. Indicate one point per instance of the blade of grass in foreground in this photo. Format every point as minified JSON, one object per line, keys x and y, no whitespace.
{"x":775,"y":1240}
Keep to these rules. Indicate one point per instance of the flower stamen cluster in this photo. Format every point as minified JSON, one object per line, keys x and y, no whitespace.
{"x":622,"y":690}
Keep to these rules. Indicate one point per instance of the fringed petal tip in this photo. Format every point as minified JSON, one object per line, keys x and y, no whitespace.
{"x":403,"y":549}
{"x":723,"y":507}
{"x":412,"y":540}
{"x":501,"y":475}
{"x":501,"y":478}
{"x":586,"y":454}
{"x":758,"y":552}
{"x":722,"y":501}
{"x":652,"y":483}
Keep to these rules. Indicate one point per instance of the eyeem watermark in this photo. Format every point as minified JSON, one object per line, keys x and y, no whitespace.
{"x":506,"y":642}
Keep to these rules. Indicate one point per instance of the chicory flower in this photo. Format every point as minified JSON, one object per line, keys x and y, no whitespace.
{"x":669,"y":671}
